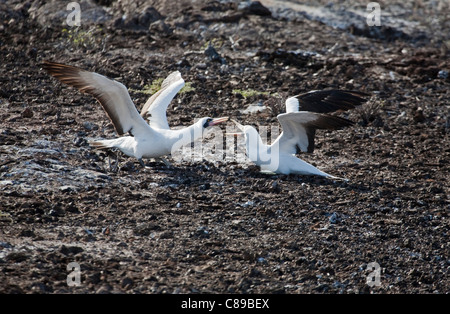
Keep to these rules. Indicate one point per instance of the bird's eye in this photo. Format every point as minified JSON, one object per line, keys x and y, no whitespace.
{"x":207,"y":123}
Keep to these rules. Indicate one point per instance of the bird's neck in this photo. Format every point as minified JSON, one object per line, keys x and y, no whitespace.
{"x":187,"y":135}
{"x":256,"y":150}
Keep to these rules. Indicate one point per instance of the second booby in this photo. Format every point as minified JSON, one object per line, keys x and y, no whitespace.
{"x":305,"y":114}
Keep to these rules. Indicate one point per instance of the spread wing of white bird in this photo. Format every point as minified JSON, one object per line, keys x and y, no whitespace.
{"x":304,"y":115}
{"x":112,"y":95}
{"x":155,"y":108}
{"x":299,"y":129}
{"x":325,"y":101}
{"x":292,"y":104}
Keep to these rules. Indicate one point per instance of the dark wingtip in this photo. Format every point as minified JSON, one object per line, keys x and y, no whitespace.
{"x":325,"y":101}
{"x":58,"y":69}
{"x":48,"y":65}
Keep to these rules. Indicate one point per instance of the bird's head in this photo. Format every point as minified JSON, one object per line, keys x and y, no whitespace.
{"x":253,"y":142}
{"x":208,"y":122}
{"x":246,"y":130}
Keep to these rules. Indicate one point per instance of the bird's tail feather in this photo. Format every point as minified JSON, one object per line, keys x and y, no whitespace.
{"x":336,"y":178}
{"x":302,"y":167}
{"x":102,"y":144}
{"x":327,"y":175}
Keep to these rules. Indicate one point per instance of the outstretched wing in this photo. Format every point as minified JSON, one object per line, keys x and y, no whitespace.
{"x":112,"y":95}
{"x":299,"y":129}
{"x":325,"y":101}
{"x":155,"y":108}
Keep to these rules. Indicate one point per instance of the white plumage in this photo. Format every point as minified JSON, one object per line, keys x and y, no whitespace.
{"x":147,"y":140}
{"x":304,"y":115}
{"x":292,"y":104}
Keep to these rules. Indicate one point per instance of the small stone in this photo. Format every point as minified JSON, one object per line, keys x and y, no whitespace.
{"x":149,"y":16}
{"x":418,"y":115}
{"x":17,"y":257}
{"x":334,"y":218}
{"x":213,"y":55}
{"x":160,"y":27}
{"x":443,"y":74}
{"x":89,"y":126}
{"x":254,"y":8}
{"x":27,"y":113}
{"x":127,"y":283}
{"x":70,"y":250}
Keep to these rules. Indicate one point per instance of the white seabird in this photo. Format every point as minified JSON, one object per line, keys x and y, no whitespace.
{"x":305,"y":114}
{"x":146,"y":140}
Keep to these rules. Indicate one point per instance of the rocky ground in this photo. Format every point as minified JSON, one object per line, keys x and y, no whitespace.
{"x":222,"y":226}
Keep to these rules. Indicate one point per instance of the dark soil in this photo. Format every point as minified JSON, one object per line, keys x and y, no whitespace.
{"x":223,"y":227}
